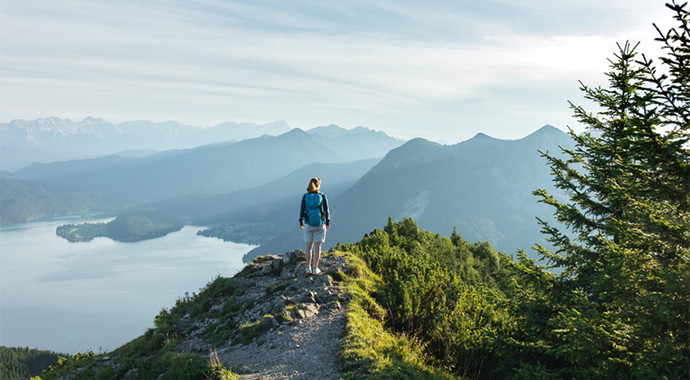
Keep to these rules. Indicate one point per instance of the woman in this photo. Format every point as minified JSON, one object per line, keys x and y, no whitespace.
{"x":315,"y":220}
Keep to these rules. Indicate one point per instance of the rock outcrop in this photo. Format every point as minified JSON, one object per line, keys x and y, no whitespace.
{"x":289,"y":324}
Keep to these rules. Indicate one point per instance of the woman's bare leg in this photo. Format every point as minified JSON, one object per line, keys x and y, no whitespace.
{"x":317,"y":254}
{"x":307,"y":254}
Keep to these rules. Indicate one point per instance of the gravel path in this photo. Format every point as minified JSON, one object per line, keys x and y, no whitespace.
{"x":304,"y":349}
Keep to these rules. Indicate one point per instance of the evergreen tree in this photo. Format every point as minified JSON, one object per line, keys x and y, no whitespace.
{"x":22,"y":363}
{"x":619,"y":306}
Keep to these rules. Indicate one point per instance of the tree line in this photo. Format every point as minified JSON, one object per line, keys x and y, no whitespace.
{"x":17,"y":363}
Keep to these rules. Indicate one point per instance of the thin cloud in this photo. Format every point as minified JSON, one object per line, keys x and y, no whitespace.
{"x":444,"y":70}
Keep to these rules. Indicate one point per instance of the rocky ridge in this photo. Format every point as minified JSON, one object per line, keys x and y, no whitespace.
{"x":291,"y":325}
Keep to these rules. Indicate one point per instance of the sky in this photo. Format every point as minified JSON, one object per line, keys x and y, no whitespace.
{"x":442,"y":70}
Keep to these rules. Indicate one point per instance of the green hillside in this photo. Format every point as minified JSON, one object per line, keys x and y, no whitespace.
{"x":22,"y":201}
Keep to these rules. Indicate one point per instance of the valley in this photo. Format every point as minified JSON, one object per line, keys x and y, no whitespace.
{"x":247,"y":191}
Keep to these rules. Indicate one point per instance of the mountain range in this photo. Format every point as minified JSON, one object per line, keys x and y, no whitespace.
{"x":23,"y":142}
{"x":198,"y":173}
{"x":216,"y":168}
{"x":482,"y":186}
{"x":249,"y":190}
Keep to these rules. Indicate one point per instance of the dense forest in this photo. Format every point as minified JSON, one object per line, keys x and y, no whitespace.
{"x":18,"y":363}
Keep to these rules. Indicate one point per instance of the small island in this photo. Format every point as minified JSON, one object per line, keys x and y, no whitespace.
{"x":79,"y":233}
{"x":126,"y":228}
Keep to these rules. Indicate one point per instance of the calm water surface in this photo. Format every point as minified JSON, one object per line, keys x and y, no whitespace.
{"x":75,"y":297}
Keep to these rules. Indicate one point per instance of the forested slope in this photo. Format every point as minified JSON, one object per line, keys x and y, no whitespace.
{"x":17,"y":363}
{"x":22,"y":201}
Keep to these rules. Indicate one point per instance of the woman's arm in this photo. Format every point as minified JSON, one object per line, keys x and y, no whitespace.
{"x":326,"y":211}
{"x":302,"y":211}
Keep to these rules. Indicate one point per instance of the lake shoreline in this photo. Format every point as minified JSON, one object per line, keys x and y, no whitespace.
{"x":75,"y":297}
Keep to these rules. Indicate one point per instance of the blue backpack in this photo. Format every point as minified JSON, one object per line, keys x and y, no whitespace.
{"x":314,"y":215}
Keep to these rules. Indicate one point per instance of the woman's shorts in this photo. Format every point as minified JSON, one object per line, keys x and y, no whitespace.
{"x":315,"y":234}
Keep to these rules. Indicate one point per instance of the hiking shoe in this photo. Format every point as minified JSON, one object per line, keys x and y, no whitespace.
{"x":316,"y":270}
{"x":308,"y":270}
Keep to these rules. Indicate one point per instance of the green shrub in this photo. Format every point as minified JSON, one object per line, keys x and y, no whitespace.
{"x":444,"y":293}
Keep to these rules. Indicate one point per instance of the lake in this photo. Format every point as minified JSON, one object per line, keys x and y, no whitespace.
{"x":75,"y":297}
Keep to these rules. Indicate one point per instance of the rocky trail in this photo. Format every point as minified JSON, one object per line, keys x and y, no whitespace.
{"x":301,"y":317}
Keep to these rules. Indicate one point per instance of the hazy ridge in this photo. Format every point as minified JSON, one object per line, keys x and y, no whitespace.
{"x":248,"y":191}
{"x":196,"y":173}
{"x":482,"y":186}
{"x":54,"y":139}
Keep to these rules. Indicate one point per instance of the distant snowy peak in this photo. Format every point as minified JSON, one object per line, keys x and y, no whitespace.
{"x":55,"y":127}
{"x":48,"y":124}
{"x":51,"y":132}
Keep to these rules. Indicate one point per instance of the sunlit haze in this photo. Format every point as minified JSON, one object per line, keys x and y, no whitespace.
{"x":440,"y":70}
